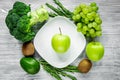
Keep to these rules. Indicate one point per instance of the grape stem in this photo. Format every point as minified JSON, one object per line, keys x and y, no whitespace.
{"x":93,"y":39}
{"x":60,"y":31}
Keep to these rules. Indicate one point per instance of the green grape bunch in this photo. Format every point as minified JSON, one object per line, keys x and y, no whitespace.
{"x":87,"y":19}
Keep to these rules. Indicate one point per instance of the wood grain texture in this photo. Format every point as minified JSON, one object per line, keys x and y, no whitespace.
{"x":106,"y":69}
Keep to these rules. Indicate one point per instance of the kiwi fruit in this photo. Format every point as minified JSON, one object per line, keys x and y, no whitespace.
{"x":28,"y":49}
{"x":84,"y":66}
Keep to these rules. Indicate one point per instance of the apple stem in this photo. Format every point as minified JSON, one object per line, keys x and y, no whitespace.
{"x":60,"y":31}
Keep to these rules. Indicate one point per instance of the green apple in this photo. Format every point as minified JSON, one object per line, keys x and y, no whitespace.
{"x":60,"y":42}
{"x":95,"y":51}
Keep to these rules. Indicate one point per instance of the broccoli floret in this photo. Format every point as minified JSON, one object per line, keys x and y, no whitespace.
{"x":24,"y":24}
{"x":24,"y":37}
{"x":42,"y":13}
{"x":20,"y":21}
{"x":33,"y":17}
{"x":11,"y":20}
{"x":21,"y":8}
{"x":27,"y":21}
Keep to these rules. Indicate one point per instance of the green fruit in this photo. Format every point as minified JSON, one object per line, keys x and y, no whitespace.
{"x":30,"y":65}
{"x":60,"y":43}
{"x":95,"y":51}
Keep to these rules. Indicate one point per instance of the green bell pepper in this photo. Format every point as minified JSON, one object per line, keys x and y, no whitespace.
{"x":30,"y":65}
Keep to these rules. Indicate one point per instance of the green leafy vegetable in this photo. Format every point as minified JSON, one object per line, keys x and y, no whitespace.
{"x":11,"y":20}
{"x":24,"y":24}
{"x":21,"y":19}
{"x":42,"y":13}
{"x":21,"y":8}
{"x":24,"y":37}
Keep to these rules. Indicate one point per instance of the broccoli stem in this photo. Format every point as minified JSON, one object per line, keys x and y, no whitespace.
{"x":37,"y":26}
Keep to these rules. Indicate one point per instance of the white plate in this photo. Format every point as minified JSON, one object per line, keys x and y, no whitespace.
{"x":42,"y":42}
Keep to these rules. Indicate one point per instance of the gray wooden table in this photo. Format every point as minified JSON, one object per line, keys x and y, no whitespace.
{"x":106,"y":69}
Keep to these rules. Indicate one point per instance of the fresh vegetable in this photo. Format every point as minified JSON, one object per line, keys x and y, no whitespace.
{"x":88,"y":20}
{"x":60,"y":10}
{"x":51,"y":14}
{"x":21,"y":8}
{"x":21,"y":19}
{"x":41,"y":13}
{"x":28,"y":49}
{"x":30,"y":65}
{"x":62,"y":7}
{"x":85,"y":66}
{"x":60,"y":42}
{"x":95,"y":51}
{"x":58,"y":72}
{"x":21,"y":22}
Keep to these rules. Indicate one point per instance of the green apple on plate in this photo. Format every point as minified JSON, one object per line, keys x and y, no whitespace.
{"x":95,"y":51}
{"x":60,"y":42}
{"x":72,"y":42}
